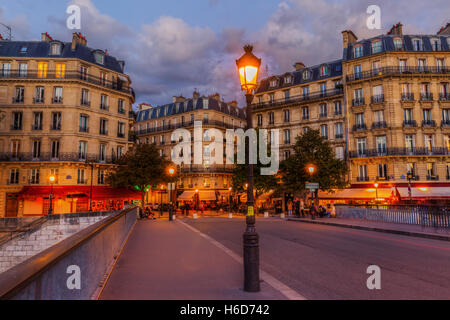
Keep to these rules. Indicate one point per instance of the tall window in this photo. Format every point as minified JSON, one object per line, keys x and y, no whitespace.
{"x":15,"y":149}
{"x":429,"y":142}
{"x":417,"y":44}
{"x":84,"y":123}
{"x":55,"y":149}
{"x":357,"y":71}
{"x":60,"y":70}
{"x":379,"y":116}
{"x":121,"y":106}
{"x":324,"y":131}
{"x":323,"y":89}
{"x":361,"y":146}
{"x":101,"y":176}
{"x":422,"y":65}
{"x":121,"y":130}
{"x":55,"y":49}
{"x":306,"y":92}
{"x":360,"y":119}
{"x":103,"y":127}
{"x":13,"y":176}
{"x":381,"y":144}
{"x":403,"y":64}
{"x":19,"y":95}
{"x":339,"y":130}
{"x":409,"y":142}
{"x":23,"y":70}
{"x":58,"y":95}
{"x":39,"y":95}
{"x":6,"y":70}
{"x":382,"y":171}
{"x":260,"y":120}
{"x":17,"y":120}
{"x":82,"y":150}
{"x":34,"y":176}
{"x":358,"y":51}
{"x":271,"y":118}
{"x":436,"y":44}
{"x":323,"y":110}
{"x":36,"y":149}
{"x":85,"y":97}
{"x":42,"y":69}
{"x":37,"y":120}
{"x":287,"y":136}
{"x":323,"y":71}
{"x":398,"y":44}
{"x":362,"y":170}
{"x":56,"y":121}
{"x":102,"y":152}
{"x":411,"y":168}
{"x":431,"y":170}
{"x":104,"y":105}
{"x":305,"y":113}
{"x":440,"y":64}
{"x":83,"y":73}
{"x":287,"y":115}
{"x":103,"y":78}
{"x":287,"y":94}
{"x":376,"y":47}
{"x":80,"y":177}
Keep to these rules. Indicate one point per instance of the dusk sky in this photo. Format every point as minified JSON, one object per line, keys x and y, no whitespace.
{"x":173,"y":46}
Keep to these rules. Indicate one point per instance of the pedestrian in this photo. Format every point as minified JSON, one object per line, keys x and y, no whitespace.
{"x":297,"y":208}
{"x":302,"y":208}
{"x":289,"y":205}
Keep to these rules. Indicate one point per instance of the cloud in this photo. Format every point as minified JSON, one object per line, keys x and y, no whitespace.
{"x":18,"y":24}
{"x":170,"y":57}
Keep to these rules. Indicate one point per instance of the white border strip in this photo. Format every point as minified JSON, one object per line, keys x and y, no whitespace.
{"x":276,"y":284}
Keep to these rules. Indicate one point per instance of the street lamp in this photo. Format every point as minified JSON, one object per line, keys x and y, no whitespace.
{"x":161,"y":204}
{"x":230,"y":211}
{"x":52,"y":180}
{"x":311,"y":169}
{"x":171,"y":172}
{"x":376,"y":185}
{"x":248,"y":67}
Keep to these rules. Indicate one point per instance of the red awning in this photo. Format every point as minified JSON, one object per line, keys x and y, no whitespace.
{"x":424,"y":193}
{"x":98,"y":192}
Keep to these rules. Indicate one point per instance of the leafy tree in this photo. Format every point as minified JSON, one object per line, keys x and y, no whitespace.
{"x":312,"y":148}
{"x":261,"y":183}
{"x":140,"y":168}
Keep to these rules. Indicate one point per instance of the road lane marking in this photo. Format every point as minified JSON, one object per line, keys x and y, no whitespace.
{"x":273,"y":282}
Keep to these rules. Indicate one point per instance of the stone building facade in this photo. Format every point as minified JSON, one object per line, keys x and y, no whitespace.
{"x":65,"y":113}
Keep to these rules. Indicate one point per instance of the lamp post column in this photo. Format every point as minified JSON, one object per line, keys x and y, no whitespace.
{"x":50,"y":209}
{"x":251,"y":238}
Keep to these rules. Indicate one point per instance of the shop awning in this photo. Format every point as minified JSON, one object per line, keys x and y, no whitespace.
{"x":425,"y":193}
{"x":358,"y":194}
{"x":207,"y":195}
{"x":98,"y":192}
{"x":186,"y":196}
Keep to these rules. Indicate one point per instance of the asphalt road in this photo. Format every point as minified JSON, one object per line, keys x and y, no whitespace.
{"x":325,"y":262}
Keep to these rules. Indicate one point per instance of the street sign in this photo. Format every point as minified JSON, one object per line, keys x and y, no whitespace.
{"x":312,"y":186}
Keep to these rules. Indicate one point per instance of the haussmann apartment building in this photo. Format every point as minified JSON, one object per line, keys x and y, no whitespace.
{"x":64,"y":113}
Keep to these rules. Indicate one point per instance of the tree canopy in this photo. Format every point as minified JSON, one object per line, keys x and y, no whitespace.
{"x":312,"y":148}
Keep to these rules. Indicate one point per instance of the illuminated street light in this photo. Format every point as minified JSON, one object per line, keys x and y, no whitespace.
{"x":52,"y":180}
{"x":248,"y":68}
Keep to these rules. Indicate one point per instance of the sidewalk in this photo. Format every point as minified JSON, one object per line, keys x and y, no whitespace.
{"x":165,"y":260}
{"x":394,"y":228}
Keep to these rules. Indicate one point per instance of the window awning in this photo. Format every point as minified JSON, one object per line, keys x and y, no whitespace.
{"x":186,"y":196}
{"x":207,"y":195}
{"x":425,"y":193}
{"x":358,"y":194}
{"x":98,"y":192}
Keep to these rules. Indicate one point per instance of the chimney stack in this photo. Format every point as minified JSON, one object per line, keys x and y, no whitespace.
{"x":1,"y":37}
{"x":233,"y":103}
{"x":196,"y":95}
{"x":445,"y":30}
{"x":45,"y":37}
{"x":78,"y":38}
{"x":178,"y":99}
{"x":215,"y":96}
{"x":349,"y":38}
{"x":397,"y":29}
{"x":144,"y":106}
{"x":299,"y":66}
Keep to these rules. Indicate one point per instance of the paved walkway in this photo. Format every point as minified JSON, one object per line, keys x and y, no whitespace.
{"x":165,"y":260}
{"x":395,"y":228}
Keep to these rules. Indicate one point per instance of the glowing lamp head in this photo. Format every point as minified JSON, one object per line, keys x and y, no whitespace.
{"x":230,"y":189}
{"x":376,"y":185}
{"x":171,"y":171}
{"x":196,"y":191}
{"x":248,"y":68}
{"x":311,"y":169}
{"x":52,"y":179}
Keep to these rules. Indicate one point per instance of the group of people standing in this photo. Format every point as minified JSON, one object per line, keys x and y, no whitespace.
{"x":298,"y":208}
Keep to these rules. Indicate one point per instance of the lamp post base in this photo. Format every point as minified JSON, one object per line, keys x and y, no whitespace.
{"x":251,"y":262}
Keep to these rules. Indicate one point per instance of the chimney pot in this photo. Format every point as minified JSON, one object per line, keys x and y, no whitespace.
{"x":445,"y":30}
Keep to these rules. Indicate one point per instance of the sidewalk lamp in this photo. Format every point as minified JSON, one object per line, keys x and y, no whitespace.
{"x":230,"y":211}
{"x":376,"y":185}
{"x":311,"y":170}
{"x":52,"y":180}
{"x":248,"y":68}
{"x":196,"y":200}
{"x":161,"y":203}
{"x":171,"y":172}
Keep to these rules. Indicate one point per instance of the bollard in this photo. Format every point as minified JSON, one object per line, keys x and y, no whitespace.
{"x":283,"y":216}
{"x":195,"y":216}
{"x":266,"y":214}
{"x":230,"y":216}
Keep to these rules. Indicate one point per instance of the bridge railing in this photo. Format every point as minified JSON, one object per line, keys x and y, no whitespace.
{"x":84,"y":258}
{"x":425,"y":216}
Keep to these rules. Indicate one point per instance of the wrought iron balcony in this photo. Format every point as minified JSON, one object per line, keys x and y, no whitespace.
{"x":68,"y":156}
{"x":57,"y":100}
{"x":445,"y":123}
{"x":38,"y":100}
{"x":84,"y":129}
{"x":396,"y":70}
{"x":379,"y":125}
{"x":211,"y":169}
{"x":85,"y":103}
{"x":17,"y":100}
{"x":410,"y":123}
{"x":432,"y":178}
{"x":377,"y":98}
{"x":426,"y":96}
{"x":428,"y":123}
{"x":118,"y":84}
{"x":339,"y":136}
{"x":167,"y":127}
{"x":358,"y":102}
{"x":444,"y":96}
{"x":407,"y":96}
{"x":362,"y":179}
{"x":422,"y":151}
{"x":359,"y":127}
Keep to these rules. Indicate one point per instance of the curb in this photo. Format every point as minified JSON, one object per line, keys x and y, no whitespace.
{"x":392,"y":231}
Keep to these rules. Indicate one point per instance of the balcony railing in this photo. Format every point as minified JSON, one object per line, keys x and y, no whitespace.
{"x":211,"y":169}
{"x":17,"y":100}
{"x":378,"y":98}
{"x":68,"y":156}
{"x":397,"y":71}
{"x":422,"y":151}
{"x":84,"y":129}
{"x":85,"y":103}
{"x":362,"y":179}
{"x":426,"y":96}
{"x":358,"y":102}
{"x":339,"y":136}
{"x":57,"y":100}
{"x":300,"y":98}
{"x":445,"y":123}
{"x":444,"y":96}
{"x":410,"y":123}
{"x":379,"y":125}
{"x":38,"y":100}
{"x":188,"y":124}
{"x":433,"y":178}
{"x":16,"y":127}
{"x":407,"y":96}
{"x":428,"y":123}
{"x":118,"y":85}
{"x":323,"y":115}
{"x":359,"y":127}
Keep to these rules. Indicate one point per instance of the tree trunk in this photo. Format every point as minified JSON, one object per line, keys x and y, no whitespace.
{"x":142,"y":199}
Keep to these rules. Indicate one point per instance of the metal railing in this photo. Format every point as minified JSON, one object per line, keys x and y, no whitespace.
{"x":300,"y":98}
{"x":379,"y":125}
{"x":187,"y":124}
{"x":211,"y":169}
{"x":118,"y":85}
{"x":68,"y":156}
{"x":410,"y":123}
{"x":422,"y":151}
{"x":397,"y":71}
{"x":426,"y":216}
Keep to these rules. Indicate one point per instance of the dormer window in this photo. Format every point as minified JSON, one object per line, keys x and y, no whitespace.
{"x":23,"y":50}
{"x":273,"y":83}
{"x":436,"y":44}
{"x":376,"y":46}
{"x":99,"y":57}
{"x":306,"y":75}
{"x":417,"y":44}
{"x":398,"y":44}
{"x":288,"y":79}
{"x":358,"y":51}
{"x":323,"y":70}
{"x":55,"y":49}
